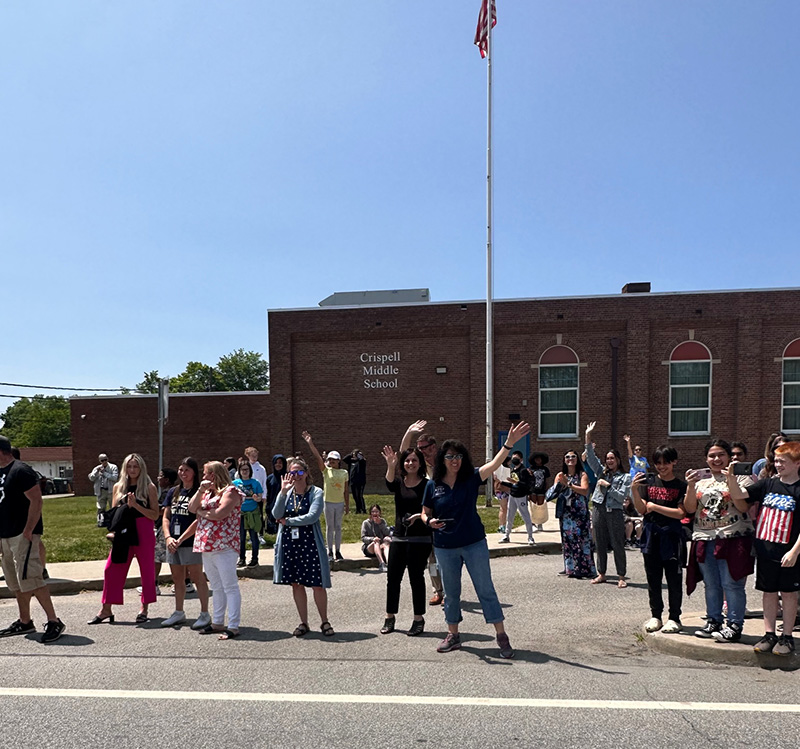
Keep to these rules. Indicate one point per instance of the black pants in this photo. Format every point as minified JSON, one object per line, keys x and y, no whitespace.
{"x":655,"y":569}
{"x":358,"y":497}
{"x":609,"y":528}
{"x":413,"y":556}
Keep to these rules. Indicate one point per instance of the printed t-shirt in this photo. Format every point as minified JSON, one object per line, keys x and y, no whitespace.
{"x":777,"y":530}
{"x":667,"y":494}
{"x":716,"y":515}
{"x":249,"y":487}
{"x":180,"y":517}
{"x":638,"y":465}
{"x":458,"y":507}
{"x":540,"y":476}
{"x":16,"y":479}
{"x":334,"y":480}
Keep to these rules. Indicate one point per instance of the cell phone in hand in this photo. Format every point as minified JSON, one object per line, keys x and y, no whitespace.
{"x":742,"y":469}
{"x":651,"y":479}
{"x":703,"y":473}
{"x":445,"y":520}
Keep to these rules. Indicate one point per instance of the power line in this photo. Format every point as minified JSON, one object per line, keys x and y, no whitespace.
{"x":49,"y":387}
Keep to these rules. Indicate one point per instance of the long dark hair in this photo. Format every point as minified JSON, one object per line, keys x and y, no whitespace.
{"x":453,"y":446}
{"x":421,"y":471}
{"x":616,"y":454}
{"x":192,"y":463}
{"x":579,"y":469}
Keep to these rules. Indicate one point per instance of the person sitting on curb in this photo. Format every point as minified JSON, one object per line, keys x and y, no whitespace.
{"x":375,"y":537}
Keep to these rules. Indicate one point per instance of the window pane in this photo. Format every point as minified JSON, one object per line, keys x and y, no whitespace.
{"x":791,"y":419}
{"x":688,"y":421}
{"x":791,"y":395}
{"x":696,"y":397}
{"x":690,"y":373}
{"x":791,"y":370}
{"x":558,"y":377}
{"x":558,"y":423}
{"x":559,"y":400}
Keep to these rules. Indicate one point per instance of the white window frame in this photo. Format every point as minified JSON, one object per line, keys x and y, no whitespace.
{"x":783,"y":393}
{"x":710,"y":363}
{"x":577,"y":390}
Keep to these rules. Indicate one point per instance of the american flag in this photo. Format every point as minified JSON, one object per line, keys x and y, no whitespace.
{"x":481,"y":32}
{"x":775,"y":520}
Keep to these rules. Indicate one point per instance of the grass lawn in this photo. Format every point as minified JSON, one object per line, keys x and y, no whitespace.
{"x":72,"y":535}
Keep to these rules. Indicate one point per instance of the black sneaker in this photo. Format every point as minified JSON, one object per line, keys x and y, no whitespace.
{"x":253,"y":563}
{"x":339,"y":557}
{"x":766,"y":643}
{"x":729,"y":633}
{"x":53,"y":630}
{"x":785,"y":646}
{"x":241,"y":563}
{"x":17,"y":628}
{"x":506,"y":651}
{"x":708,"y":629}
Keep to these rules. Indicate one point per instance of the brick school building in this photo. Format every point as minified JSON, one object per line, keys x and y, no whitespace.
{"x":665,"y":367}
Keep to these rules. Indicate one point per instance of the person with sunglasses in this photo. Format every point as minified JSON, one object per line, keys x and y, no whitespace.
{"x":449,"y":507}
{"x":300,"y":558}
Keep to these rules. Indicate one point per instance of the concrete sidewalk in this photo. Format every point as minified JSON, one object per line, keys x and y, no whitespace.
{"x":72,"y":577}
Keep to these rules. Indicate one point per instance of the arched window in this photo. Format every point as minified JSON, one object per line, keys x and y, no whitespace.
{"x":558,"y":392}
{"x":790,"y":410}
{"x":690,"y":389}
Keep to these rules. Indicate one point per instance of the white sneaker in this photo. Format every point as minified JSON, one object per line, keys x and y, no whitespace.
{"x":178,"y":617}
{"x":190,"y":589}
{"x":158,"y":590}
{"x":652,"y":625}
{"x":671,"y":627}
{"x":202,"y":621}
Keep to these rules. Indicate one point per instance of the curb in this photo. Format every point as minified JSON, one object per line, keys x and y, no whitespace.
{"x":685,"y":645}
{"x":264,"y":572}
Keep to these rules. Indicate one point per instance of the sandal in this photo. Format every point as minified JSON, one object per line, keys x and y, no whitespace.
{"x":327,"y":630}
{"x":622,"y":583}
{"x":228,"y":634}
{"x":141,"y":618}
{"x":388,"y":625}
{"x":599,"y":580}
{"x":300,"y":630}
{"x":210,"y":629}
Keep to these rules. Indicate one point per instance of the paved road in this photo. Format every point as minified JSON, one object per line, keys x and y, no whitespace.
{"x":575,"y":643}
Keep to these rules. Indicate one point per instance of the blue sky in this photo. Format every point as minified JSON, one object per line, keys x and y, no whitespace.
{"x":171,"y":170}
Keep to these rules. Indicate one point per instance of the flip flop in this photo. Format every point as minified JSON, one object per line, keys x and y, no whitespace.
{"x":228,"y":634}
{"x":142,"y":618}
{"x":622,"y":583}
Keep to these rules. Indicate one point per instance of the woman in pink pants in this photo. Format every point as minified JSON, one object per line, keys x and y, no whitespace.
{"x":133,"y":537}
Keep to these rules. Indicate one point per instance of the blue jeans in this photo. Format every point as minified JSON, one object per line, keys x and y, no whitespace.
{"x":243,"y":540}
{"x":476,"y":557}
{"x":717,"y":578}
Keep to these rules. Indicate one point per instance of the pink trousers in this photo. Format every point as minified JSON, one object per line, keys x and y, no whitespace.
{"x":145,"y":553}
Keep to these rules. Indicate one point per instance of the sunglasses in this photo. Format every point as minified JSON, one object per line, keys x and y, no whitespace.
{"x":570,"y":457}
{"x":300,"y":472}
{"x":425,"y":447}
{"x":453,"y":457}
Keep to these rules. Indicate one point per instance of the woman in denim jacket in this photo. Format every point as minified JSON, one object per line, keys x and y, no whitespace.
{"x":613,"y":486}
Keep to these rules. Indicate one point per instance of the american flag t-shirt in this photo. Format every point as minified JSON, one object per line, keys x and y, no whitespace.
{"x":775,"y":520}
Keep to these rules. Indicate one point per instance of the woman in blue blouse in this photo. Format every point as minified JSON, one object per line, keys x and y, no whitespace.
{"x":612,"y":488}
{"x":450,"y":509}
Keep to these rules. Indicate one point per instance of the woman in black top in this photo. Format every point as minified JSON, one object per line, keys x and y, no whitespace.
{"x":411,"y":544}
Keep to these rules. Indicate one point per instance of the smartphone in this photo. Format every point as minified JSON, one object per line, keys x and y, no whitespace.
{"x":742,"y":469}
{"x":651,"y":479}
{"x":445,"y":520}
{"x":703,"y":473}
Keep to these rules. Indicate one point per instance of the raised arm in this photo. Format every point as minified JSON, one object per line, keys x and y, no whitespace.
{"x":416,"y":428}
{"x":591,"y":455}
{"x":627,"y":439}
{"x":515,"y":433}
{"x":314,"y":451}
{"x":390,"y":456}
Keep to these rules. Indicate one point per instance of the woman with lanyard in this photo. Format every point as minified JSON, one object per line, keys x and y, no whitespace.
{"x":300,"y":559}
{"x":179,"y":526}
{"x":449,"y":507}
{"x":137,"y":497}
{"x":216,"y":504}
{"x":570,"y":488}
{"x":411,"y":545}
{"x":251,"y":512}
{"x":613,"y":487}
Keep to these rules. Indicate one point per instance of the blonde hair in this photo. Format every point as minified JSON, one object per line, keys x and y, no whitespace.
{"x":221,"y":477}
{"x":142,"y":485}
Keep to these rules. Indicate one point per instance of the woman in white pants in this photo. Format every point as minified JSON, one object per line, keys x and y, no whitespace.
{"x":217,"y":506}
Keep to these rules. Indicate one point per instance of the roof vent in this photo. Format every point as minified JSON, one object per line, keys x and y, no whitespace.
{"x":636,"y":288}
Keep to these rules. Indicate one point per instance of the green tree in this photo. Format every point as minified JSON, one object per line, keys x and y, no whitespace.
{"x":196,"y":378}
{"x":243,"y":370}
{"x":149,"y":384}
{"x":41,"y":421}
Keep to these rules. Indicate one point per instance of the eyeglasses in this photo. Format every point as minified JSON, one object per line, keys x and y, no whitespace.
{"x":301,"y":472}
{"x":453,"y":457}
{"x":425,"y":447}
{"x":570,"y":457}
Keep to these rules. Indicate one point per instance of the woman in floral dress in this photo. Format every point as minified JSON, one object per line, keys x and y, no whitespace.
{"x":572,"y":484}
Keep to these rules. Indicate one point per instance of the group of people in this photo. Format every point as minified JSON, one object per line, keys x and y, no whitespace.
{"x":713,"y":522}
{"x":720,"y":523}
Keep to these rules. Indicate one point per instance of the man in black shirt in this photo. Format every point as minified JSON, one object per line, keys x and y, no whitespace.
{"x":20,"y":534}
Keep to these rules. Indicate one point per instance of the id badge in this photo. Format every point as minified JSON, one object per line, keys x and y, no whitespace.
{"x":295,"y":534}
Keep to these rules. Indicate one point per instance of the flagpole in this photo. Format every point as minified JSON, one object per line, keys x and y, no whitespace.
{"x":489,"y":290}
